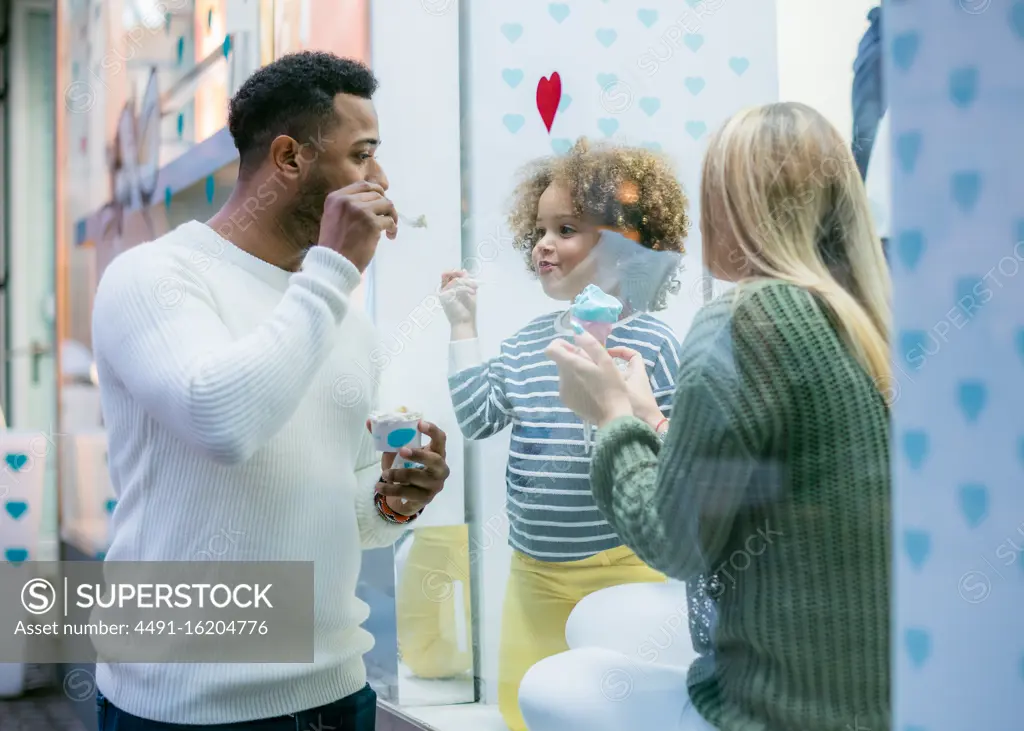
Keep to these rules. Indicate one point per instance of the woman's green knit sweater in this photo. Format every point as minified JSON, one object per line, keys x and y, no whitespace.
{"x":772,"y":488}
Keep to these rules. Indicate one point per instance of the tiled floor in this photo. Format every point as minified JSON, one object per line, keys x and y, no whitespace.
{"x":45,"y":709}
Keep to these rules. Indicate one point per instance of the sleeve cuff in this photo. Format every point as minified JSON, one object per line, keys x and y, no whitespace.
{"x":374,"y":531}
{"x":463,"y":354}
{"x":627,"y":440}
{"x":333,"y":268}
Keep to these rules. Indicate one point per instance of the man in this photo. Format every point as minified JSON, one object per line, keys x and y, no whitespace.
{"x":235,"y":389}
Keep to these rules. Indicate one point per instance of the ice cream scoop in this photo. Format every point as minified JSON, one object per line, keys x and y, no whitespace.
{"x":596,"y":312}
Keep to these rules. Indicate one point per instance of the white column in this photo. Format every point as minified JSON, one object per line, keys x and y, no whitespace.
{"x":957,"y":251}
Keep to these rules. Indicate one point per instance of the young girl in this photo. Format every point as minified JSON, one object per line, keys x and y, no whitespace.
{"x":593,"y":216}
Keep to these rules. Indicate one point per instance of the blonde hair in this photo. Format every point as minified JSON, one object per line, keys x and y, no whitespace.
{"x":595,"y":174}
{"x":781,"y":188}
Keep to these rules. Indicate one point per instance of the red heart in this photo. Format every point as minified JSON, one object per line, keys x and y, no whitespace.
{"x":549,"y":96}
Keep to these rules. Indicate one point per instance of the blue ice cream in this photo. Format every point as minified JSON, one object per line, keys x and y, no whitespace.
{"x":594,"y":305}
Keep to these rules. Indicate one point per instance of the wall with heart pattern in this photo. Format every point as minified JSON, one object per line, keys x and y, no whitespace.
{"x":661,"y":73}
{"x":23,"y":457}
{"x":957,"y":254}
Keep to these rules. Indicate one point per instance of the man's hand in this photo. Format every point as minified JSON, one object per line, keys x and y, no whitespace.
{"x":354,"y":218}
{"x":417,"y":487}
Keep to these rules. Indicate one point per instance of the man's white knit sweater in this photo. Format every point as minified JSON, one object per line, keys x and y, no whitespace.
{"x":235,"y":396}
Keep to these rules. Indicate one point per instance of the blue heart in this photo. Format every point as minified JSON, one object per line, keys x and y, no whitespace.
{"x":16,"y":461}
{"x":972,"y":396}
{"x":650,"y":105}
{"x":559,"y":11}
{"x":512,"y":31}
{"x":918,"y":545}
{"x":16,"y":508}
{"x":653,"y":146}
{"x":226,"y":47}
{"x":181,"y":124}
{"x":915,"y":448}
{"x":695,"y":84}
{"x":908,"y":148}
{"x":400,"y":437}
{"x":109,"y":506}
{"x":696,"y":129}
{"x":909,"y":247}
{"x":100,"y":555}
{"x":693,"y":41}
{"x":168,"y":194}
{"x":1017,"y":20}
{"x":16,"y":555}
{"x":919,"y":645}
{"x":561,"y":146}
{"x":739,"y":65}
{"x":647,"y":17}
{"x":974,"y":503}
{"x":608,"y":125}
{"x":904,"y":50}
{"x":512,"y":77}
{"x":210,"y":186}
{"x":564,"y":104}
{"x":963,"y":86}
{"x":606,"y":36}
{"x":181,"y":49}
{"x":606,"y":80}
{"x":912,"y":347}
{"x":513,"y":122}
{"x":966,"y":189}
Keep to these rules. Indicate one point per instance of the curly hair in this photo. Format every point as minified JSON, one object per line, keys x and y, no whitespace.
{"x":620,"y":187}
{"x":294,"y":95}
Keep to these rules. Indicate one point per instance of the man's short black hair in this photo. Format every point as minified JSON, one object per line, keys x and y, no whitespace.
{"x":292,"y":96}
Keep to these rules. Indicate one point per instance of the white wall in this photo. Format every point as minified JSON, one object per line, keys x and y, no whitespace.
{"x":817,"y":47}
{"x":958,"y":435}
{"x":418,"y":107}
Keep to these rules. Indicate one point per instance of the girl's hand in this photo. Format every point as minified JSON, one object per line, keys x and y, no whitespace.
{"x":458,"y":297}
{"x":638,"y":385}
{"x":589,"y":382}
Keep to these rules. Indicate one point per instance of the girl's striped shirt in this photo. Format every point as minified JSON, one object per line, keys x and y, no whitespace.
{"x":552,"y":515}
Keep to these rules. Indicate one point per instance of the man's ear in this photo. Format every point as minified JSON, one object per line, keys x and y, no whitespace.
{"x":285,"y":153}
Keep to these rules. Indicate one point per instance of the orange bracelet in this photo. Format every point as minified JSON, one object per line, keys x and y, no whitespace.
{"x":385,"y":511}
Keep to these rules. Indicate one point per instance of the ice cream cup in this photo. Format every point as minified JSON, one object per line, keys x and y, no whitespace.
{"x":396,"y":429}
{"x":599,"y":330}
{"x":393,"y":430}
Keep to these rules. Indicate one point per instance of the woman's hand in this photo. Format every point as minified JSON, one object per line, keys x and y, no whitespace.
{"x":589,"y":382}
{"x":638,"y":385}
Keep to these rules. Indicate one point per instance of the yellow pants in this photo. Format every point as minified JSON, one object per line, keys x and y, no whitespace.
{"x":538,"y":600}
{"x":435,"y":631}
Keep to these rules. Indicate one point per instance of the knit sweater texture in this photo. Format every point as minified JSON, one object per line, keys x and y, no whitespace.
{"x":772,"y":487}
{"x":235,"y":396}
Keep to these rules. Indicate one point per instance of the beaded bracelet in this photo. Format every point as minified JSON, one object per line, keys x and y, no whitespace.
{"x":384,"y":510}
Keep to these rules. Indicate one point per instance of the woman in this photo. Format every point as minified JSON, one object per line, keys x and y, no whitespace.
{"x":773,"y":480}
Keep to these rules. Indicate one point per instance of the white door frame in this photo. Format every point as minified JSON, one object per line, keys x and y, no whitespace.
{"x":20,"y":311}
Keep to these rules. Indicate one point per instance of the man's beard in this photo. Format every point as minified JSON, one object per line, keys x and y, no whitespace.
{"x":302,"y":220}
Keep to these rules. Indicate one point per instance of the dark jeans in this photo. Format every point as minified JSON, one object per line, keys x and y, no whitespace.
{"x":357,"y":712}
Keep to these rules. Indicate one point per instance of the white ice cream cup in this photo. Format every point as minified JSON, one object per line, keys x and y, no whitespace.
{"x":394,"y":430}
